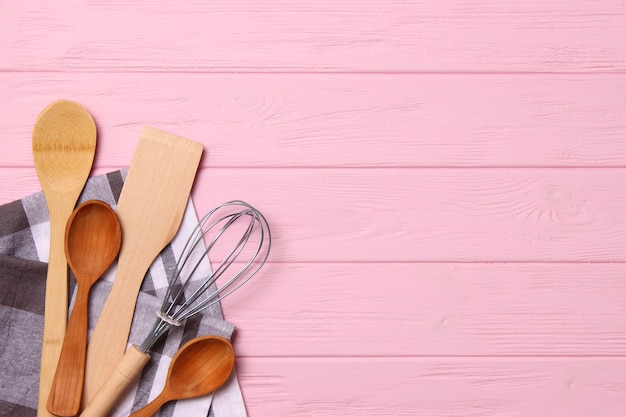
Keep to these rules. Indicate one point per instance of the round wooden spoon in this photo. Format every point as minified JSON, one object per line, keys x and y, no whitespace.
{"x":64,"y":145}
{"x":92,"y":241}
{"x":200,"y":367}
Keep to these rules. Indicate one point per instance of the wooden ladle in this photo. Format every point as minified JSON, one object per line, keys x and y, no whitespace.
{"x":92,"y":241}
{"x":200,"y":367}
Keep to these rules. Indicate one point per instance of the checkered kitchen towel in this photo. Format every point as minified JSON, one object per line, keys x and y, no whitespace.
{"x":24,"y":244}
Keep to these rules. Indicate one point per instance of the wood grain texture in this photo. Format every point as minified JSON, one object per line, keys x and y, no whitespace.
{"x":450,"y":387}
{"x":431,"y":309}
{"x":324,"y":36}
{"x":433,"y":215}
{"x":444,"y":181}
{"x":340,"y":120}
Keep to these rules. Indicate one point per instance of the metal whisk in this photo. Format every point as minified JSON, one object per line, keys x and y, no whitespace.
{"x":187,"y":294}
{"x":178,"y":305}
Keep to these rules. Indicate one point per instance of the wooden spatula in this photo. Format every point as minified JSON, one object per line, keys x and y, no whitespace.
{"x":150,"y":209}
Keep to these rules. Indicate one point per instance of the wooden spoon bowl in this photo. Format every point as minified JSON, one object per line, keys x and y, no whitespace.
{"x":92,"y":240}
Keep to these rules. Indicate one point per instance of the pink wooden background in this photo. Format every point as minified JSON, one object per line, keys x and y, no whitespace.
{"x":446,"y":182}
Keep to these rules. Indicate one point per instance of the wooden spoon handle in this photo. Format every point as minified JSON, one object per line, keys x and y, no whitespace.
{"x":152,"y":406}
{"x":123,"y":375}
{"x":67,"y":386}
{"x":56,"y":300}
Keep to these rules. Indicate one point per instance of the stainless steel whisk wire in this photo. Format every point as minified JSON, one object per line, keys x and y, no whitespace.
{"x":178,"y":306}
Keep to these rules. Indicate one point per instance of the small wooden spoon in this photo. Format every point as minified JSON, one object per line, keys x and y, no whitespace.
{"x":92,"y":241}
{"x":200,"y":367}
{"x":64,"y":145}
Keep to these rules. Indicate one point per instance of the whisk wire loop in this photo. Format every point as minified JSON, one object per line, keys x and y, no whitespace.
{"x":180,"y":302}
{"x":216,"y":274}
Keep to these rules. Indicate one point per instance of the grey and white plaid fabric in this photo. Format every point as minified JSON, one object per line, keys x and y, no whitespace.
{"x":24,"y":244}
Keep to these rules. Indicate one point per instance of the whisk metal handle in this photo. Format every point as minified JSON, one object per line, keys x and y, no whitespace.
{"x":126,"y":372}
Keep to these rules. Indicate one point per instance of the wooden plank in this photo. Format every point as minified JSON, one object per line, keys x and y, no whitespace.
{"x":372,"y":309}
{"x":291,"y":120}
{"x":450,"y":387}
{"x":322,"y":36}
{"x":441,"y":215}
{"x":420,"y":215}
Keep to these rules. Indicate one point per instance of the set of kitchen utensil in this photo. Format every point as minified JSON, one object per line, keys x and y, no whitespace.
{"x":91,"y":377}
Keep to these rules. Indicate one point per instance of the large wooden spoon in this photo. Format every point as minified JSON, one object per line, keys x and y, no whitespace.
{"x":200,"y":367}
{"x":64,"y":145}
{"x":92,"y":241}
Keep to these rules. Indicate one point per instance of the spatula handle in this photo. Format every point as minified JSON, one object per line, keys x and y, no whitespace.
{"x":127,"y":371}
